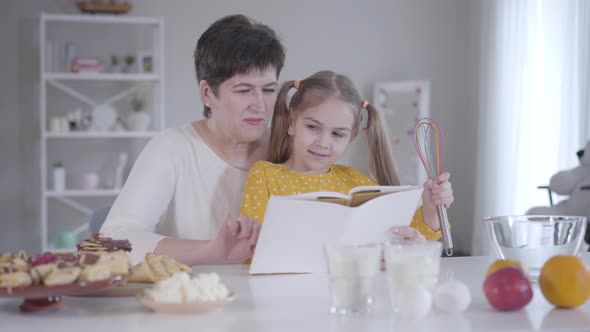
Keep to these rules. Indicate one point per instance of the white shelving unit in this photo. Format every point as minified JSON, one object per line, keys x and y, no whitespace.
{"x":58,"y":29}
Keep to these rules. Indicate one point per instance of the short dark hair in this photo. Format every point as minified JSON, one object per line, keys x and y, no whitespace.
{"x":236,"y":44}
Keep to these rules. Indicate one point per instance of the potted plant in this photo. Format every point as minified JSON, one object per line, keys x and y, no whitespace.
{"x":138,"y":119}
{"x":115,"y":65}
{"x":129,"y":62}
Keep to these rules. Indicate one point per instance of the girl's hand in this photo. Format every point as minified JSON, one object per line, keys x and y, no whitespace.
{"x":436,"y":192}
{"x":406,"y":234}
{"x":403,"y":234}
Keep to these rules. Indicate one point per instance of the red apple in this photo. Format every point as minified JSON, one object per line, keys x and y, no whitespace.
{"x":508,"y":289}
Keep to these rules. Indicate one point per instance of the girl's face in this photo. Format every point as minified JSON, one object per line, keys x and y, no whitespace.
{"x":320,"y":136}
{"x":243,"y":104}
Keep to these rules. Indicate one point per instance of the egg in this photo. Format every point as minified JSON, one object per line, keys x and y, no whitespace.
{"x":452,"y":297}
{"x":415,"y":302}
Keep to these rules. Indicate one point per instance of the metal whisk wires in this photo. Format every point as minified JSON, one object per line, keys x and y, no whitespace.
{"x":428,"y":143}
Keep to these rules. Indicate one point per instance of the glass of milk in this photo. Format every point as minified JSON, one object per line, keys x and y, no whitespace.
{"x":352,"y":270}
{"x":411,"y":262}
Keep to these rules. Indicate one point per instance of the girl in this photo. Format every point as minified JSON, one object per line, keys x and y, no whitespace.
{"x":311,"y":133}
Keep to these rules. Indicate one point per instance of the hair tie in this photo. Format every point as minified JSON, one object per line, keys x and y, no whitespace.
{"x":296,"y":84}
{"x":365,"y":104}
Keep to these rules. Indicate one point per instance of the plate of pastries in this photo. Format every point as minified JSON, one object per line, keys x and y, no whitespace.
{"x":99,"y":268}
{"x":41,"y":280}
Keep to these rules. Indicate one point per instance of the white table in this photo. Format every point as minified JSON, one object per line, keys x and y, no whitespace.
{"x":296,"y":303}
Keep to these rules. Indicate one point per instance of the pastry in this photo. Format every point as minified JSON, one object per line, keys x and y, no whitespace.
{"x":182,"y":267}
{"x":36,"y":278}
{"x":158,"y":269}
{"x":13,"y":263}
{"x":170,"y":265}
{"x":142,"y":273}
{"x":15,"y":279}
{"x":98,"y":243}
{"x":62,"y":276}
{"x":96,"y":272}
{"x":44,"y":269}
{"x":155,"y":268}
{"x":117,"y":262}
{"x":88,"y":258}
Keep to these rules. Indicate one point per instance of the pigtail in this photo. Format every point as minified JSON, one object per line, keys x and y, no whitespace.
{"x":381,"y":159}
{"x":279,"y":147}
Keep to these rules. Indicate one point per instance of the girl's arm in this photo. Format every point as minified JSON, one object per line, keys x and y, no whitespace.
{"x":256,"y":194}
{"x":425,"y":224}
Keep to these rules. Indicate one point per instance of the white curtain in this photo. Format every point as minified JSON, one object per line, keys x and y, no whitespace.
{"x":533,"y":102}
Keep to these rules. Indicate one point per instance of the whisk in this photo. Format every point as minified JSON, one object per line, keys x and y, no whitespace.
{"x":428,"y":143}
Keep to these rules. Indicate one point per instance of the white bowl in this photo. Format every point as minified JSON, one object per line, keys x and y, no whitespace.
{"x":194,"y":307}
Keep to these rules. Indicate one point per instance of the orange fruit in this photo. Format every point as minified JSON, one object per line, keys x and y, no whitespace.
{"x":565,"y":281}
{"x":502,"y":263}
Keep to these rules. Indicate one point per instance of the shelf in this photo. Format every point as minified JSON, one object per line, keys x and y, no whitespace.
{"x":83,"y":193}
{"x":101,"y":134}
{"x":58,"y":88}
{"x":104,"y":19}
{"x":101,"y":77}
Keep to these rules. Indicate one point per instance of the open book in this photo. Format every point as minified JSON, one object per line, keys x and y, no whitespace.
{"x":296,"y":227}
{"x":356,"y":196}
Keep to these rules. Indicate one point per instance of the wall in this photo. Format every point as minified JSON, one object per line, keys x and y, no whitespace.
{"x":370,"y":41}
{"x":10,"y":175}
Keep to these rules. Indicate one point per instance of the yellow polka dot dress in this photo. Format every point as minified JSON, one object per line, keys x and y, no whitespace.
{"x":266,"y":179}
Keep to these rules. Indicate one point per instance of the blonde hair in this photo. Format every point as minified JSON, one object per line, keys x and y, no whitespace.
{"x":311,"y":92}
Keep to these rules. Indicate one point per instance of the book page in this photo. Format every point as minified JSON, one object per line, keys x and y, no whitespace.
{"x":360,"y":195}
{"x":317,"y":194}
{"x":294,"y":231}
{"x":293,"y":234}
{"x":324,"y":196}
{"x":373,"y":219}
{"x":388,"y":189}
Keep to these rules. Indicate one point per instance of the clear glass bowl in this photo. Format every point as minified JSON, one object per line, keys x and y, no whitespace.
{"x":534,"y":239}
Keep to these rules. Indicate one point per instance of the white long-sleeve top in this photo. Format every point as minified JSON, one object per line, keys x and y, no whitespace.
{"x":177,"y":188}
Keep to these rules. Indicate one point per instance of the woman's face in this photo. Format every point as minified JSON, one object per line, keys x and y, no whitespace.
{"x":244,"y":103}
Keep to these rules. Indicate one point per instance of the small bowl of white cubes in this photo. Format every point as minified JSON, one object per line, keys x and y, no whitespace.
{"x":183,"y":294}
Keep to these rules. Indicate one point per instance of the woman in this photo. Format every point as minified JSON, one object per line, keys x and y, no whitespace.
{"x":187,"y":182}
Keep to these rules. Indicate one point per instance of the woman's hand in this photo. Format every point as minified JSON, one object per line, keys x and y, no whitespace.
{"x":235,"y":240}
{"x":436,"y":192}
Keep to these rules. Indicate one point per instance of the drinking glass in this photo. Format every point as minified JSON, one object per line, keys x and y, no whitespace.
{"x":352,"y":270}
{"x":411,"y":262}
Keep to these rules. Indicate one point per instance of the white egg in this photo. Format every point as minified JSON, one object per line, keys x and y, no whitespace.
{"x":452,"y":297}
{"x":415,"y":302}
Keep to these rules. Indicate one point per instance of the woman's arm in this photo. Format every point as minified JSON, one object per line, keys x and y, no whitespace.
{"x":144,"y":198}
{"x":147,"y":195}
{"x":234,"y":243}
